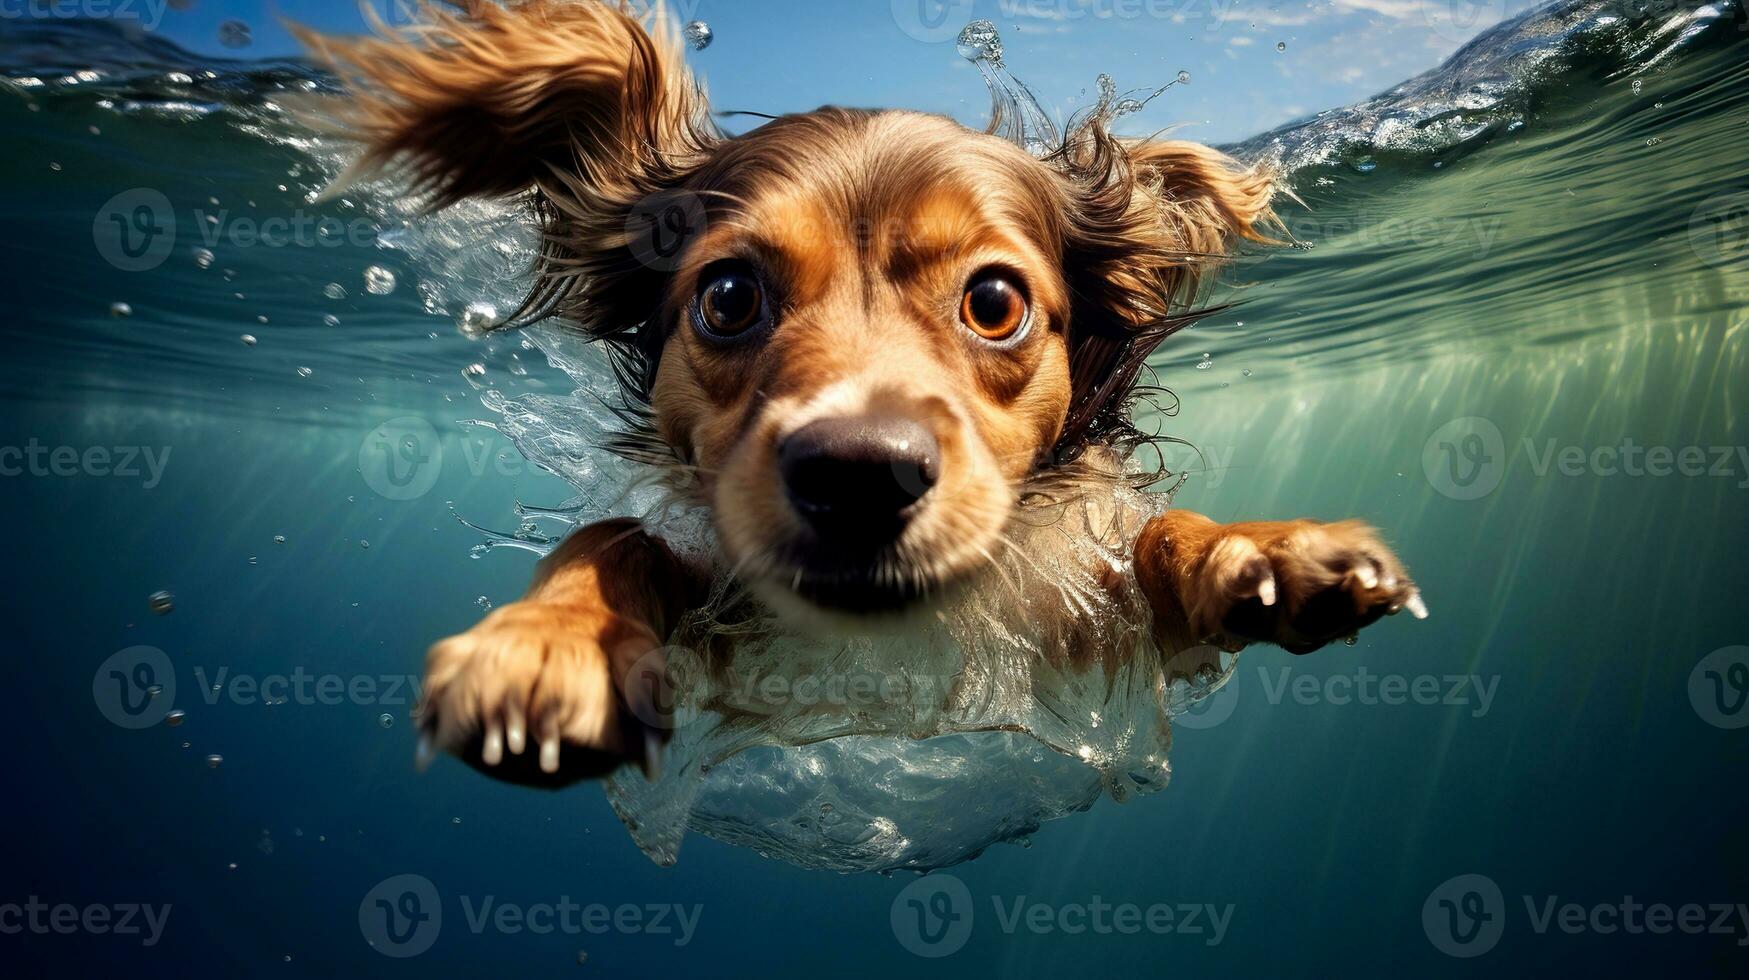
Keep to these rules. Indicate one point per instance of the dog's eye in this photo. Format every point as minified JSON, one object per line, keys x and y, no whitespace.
{"x":994,"y":307}
{"x":730,"y":303}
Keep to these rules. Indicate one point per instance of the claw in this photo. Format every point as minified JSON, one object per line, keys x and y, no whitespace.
{"x":492,"y":750}
{"x":1266,"y":589}
{"x":515,"y":734}
{"x":1368,"y":578}
{"x":1416,"y":606}
{"x":549,"y":754}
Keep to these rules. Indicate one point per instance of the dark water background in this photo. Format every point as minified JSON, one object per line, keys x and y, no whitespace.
{"x":1578,"y":279}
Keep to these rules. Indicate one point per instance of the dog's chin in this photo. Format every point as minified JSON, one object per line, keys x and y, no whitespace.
{"x":876,"y":596}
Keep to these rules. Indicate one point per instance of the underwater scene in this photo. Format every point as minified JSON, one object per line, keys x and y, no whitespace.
{"x":272,"y":425}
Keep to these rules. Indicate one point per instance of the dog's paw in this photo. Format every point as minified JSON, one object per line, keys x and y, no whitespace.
{"x":536,"y":694}
{"x":1298,"y":584}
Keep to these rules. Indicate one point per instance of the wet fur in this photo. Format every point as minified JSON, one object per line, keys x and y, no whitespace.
{"x":867,"y":225}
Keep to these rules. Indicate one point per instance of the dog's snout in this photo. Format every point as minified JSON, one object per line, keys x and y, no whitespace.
{"x":856,"y":478}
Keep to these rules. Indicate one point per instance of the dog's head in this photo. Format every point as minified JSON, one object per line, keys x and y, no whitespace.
{"x":860,"y":333}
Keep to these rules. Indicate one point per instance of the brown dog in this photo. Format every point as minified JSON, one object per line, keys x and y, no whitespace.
{"x":882,"y":332}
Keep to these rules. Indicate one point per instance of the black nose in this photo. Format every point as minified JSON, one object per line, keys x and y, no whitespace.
{"x":855,"y":479}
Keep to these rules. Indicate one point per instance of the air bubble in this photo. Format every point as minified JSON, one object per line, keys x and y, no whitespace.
{"x":235,"y":34}
{"x":120,"y":310}
{"x":477,"y":320}
{"x":980,"y":41}
{"x":161,"y":602}
{"x":379,"y":281}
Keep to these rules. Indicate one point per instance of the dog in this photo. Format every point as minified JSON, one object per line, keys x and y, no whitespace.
{"x":882,"y":336}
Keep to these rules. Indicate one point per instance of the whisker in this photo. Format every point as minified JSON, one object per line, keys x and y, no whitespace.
{"x":1007,"y":579}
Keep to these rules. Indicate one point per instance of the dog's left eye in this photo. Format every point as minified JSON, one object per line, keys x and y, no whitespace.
{"x":730,"y":303}
{"x":994,"y":307}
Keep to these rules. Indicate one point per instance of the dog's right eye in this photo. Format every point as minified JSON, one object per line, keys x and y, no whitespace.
{"x":730,"y":303}
{"x":994,"y":306}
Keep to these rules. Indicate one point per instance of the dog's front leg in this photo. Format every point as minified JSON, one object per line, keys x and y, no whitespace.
{"x":1298,"y":584}
{"x":542,"y":691}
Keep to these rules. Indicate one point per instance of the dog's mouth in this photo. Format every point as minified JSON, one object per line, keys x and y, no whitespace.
{"x":869,"y":508}
{"x":868,"y":585}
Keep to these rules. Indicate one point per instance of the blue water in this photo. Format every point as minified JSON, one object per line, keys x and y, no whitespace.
{"x":1563,"y":259}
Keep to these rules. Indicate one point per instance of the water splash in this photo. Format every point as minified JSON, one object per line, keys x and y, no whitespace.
{"x":1015,"y":113}
{"x":1111,"y":105}
{"x":879,"y":753}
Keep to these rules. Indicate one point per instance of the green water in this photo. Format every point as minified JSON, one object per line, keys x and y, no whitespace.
{"x":1454,"y":340}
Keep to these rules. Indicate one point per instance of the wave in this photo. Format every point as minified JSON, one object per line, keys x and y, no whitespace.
{"x":1485,"y":88}
{"x":1491,"y":85}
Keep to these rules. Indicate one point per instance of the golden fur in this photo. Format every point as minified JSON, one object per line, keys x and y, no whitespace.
{"x":865,"y":229}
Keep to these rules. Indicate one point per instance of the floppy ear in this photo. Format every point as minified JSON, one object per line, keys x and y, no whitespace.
{"x":1205,"y":198}
{"x":1150,"y":222}
{"x":572,"y":98}
{"x":567,"y":96}
{"x":1156,"y":218}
